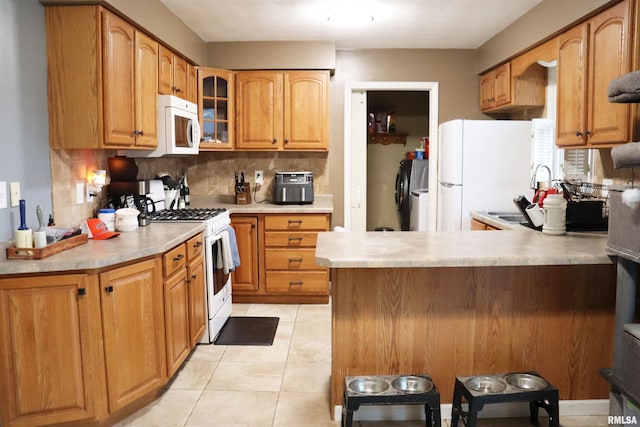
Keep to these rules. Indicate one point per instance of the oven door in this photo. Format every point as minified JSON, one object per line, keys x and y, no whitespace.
{"x":218,"y":283}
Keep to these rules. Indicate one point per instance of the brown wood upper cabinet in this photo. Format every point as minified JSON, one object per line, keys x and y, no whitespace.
{"x":216,"y":108}
{"x":282,"y":110}
{"x":589,"y":57}
{"x":172,"y":74}
{"x":502,"y":91}
{"x":102,"y":80}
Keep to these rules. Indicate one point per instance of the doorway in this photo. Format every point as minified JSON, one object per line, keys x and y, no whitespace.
{"x":355,"y":143}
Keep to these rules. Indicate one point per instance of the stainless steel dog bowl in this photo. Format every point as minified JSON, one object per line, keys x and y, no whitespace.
{"x":526,"y":381}
{"x":485,"y":384}
{"x":412,"y":384}
{"x":368,"y":385}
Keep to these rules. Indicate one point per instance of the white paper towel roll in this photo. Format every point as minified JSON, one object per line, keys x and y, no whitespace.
{"x":24,"y":238}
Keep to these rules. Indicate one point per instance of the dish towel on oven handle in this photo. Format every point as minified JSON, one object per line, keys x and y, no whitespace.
{"x":228,"y":255}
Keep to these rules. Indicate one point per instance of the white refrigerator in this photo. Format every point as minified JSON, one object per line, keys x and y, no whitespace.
{"x":482,"y":166}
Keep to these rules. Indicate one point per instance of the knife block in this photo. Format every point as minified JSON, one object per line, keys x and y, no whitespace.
{"x":243,"y":194}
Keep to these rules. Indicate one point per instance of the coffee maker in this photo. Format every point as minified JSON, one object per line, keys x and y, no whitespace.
{"x":126,"y":191}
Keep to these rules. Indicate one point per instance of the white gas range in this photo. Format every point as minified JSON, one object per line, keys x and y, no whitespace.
{"x":217,"y":283}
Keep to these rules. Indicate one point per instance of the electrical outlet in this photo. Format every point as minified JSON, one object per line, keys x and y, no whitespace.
{"x":80,"y":193}
{"x":259,"y":178}
{"x":3,"y":194}
{"x":15,"y":194}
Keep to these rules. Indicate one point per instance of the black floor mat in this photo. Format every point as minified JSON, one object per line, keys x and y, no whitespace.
{"x":248,"y":331}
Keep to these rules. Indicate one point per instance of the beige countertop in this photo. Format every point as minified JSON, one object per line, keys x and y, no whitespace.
{"x":153,"y":239}
{"x":321,"y":204}
{"x":516,"y":246}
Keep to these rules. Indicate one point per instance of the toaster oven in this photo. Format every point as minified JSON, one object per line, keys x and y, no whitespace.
{"x":293,"y":188}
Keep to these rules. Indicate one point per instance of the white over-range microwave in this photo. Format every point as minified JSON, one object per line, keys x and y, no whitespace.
{"x":178,"y":129}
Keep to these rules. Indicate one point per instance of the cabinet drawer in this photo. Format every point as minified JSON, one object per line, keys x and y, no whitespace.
{"x":291,"y":239}
{"x":195,"y":246}
{"x":308,"y":282}
{"x":297,"y":222}
{"x":174,"y":260}
{"x":291,"y":259}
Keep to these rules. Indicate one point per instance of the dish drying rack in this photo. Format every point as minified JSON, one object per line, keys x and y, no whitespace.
{"x":577,"y":191}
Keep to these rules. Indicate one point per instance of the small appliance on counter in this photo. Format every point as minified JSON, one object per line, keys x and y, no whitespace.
{"x":126,"y":191}
{"x":292,"y":188}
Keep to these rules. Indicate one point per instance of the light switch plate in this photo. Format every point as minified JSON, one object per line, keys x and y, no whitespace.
{"x":15,"y":194}
{"x":3,"y":194}
{"x":80,"y":192}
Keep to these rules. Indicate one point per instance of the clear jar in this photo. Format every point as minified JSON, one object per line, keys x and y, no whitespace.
{"x":108,"y":216}
{"x":555,"y":215}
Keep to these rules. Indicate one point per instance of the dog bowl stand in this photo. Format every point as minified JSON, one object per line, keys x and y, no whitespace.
{"x":546,"y":398}
{"x":353,"y":400}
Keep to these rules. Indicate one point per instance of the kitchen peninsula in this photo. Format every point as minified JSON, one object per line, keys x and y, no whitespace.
{"x":453,"y":304}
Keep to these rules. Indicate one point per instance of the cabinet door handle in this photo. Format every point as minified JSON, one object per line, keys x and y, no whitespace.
{"x":298,"y":238}
{"x":82,"y":292}
{"x":274,"y":141}
{"x":197,"y":244}
{"x":587,"y":132}
{"x":109,"y":289}
{"x":178,"y":257}
{"x":298,"y":259}
{"x":299,"y":282}
{"x":295,"y":221}
{"x":578,"y":133}
{"x":286,"y":140}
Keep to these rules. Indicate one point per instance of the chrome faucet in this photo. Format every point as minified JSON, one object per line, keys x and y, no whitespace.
{"x":534,"y":181}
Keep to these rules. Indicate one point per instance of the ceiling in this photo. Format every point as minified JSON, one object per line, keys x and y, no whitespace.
{"x":442,"y":24}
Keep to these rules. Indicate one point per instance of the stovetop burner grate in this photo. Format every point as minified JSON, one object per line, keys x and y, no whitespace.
{"x":201,"y":214}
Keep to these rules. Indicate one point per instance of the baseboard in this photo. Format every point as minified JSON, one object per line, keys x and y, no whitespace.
{"x":497,"y":410}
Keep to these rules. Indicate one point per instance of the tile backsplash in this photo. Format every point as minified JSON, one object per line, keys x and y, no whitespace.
{"x":209,"y":174}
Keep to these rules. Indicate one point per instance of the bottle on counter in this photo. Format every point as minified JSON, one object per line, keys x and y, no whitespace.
{"x":187,"y":192}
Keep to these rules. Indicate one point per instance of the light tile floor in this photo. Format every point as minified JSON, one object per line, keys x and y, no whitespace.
{"x":283,"y":385}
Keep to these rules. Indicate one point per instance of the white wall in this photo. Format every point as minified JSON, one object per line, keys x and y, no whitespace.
{"x":24,"y":129}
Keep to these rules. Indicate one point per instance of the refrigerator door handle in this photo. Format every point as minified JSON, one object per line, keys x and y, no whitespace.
{"x":449,"y":185}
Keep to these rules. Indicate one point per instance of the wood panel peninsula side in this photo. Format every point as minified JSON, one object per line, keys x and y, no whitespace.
{"x":470,"y":303}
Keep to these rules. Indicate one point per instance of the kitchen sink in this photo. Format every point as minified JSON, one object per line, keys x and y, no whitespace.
{"x":499,"y":213}
{"x":516,"y":218}
{"x":507,"y":216}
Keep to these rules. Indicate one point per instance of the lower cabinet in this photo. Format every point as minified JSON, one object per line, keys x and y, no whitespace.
{"x":245,"y":278}
{"x":133,"y":330}
{"x":90,"y":348}
{"x":184,"y":300}
{"x":48,"y":349}
{"x":277,"y":256}
{"x":479,"y":225}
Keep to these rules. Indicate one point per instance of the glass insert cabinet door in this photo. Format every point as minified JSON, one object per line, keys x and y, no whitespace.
{"x":215,"y":108}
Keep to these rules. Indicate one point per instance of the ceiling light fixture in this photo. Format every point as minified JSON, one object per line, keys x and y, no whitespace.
{"x":350,"y":15}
